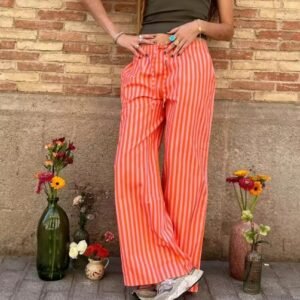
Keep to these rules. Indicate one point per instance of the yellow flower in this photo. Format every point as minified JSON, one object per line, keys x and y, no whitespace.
{"x":57,"y":182}
{"x":241,"y":173}
{"x":257,"y":189}
{"x":48,"y":163}
{"x":264,"y":177}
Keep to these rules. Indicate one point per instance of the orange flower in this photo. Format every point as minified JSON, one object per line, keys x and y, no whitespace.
{"x":48,"y":163}
{"x":257,"y":189}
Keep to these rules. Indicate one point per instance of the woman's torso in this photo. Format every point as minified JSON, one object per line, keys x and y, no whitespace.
{"x":163,"y":15}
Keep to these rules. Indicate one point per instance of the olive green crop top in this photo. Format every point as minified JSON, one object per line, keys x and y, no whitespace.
{"x":163,"y":15}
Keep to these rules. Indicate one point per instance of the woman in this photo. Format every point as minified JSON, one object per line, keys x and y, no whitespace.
{"x":168,"y":86}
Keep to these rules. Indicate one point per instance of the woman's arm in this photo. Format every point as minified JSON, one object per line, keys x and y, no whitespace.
{"x":223,"y":30}
{"x":130,"y":42}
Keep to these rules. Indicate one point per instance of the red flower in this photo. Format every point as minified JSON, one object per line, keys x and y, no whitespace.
{"x":246,"y":183}
{"x":232,"y":179}
{"x":71,"y":146}
{"x":61,"y":154}
{"x":58,"y":141}
{"x":96,"y":251}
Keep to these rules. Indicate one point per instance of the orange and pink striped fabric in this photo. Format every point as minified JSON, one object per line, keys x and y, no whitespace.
{"x":161,"y":217}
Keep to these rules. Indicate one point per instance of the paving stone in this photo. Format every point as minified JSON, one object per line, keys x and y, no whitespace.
{"x":56,"y":296}
{"x":245,"y":296}
{"x":29,"y":290}
{"x":60,"y":285}
{"x":8,"y":282}
{"x":288,"y":275}
{"x":31,"y":273}
{"x":15,"y":263}
{"x":112,"y":282}
{"x":83,"y":286}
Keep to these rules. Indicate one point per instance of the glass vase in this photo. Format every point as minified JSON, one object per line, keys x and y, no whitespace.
{"x":53,"y":241}
{"x":79,"y":235}
{"x":252,"y":273}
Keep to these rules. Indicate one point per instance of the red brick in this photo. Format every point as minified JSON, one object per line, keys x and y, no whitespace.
{"x":290,"y":25}
{"x":87,"y":90}
{"x":226,"y":94}
{"x":76,"y":6}
{"x":61,"y":15}
{"x":231,"y":54}
{"x":255,"y":24}
{"x":8,"y":86}
{"x":62,"y":36}
{"x":286,"y":87}
{"x":125,"y":8}
{"x":42,"y":67}
{"x":276,"y":76}
{"x":116,"y":91}
{"x":7,"y":44}
{"x":76,"y":79}
{"x":81,"y":7}
{"x":15,"y":55}
{"x":25,"y":24}
{"x":86,"y":48}
{"x":255,"y":45}
{"x":290,"y":46}
{"x":220,"y":64}
{"x":250,"y":85}
{"x":112,"y":60}
{"x":7,"y":3}
{"x":284,"y":35}
{"x":245,"y":13}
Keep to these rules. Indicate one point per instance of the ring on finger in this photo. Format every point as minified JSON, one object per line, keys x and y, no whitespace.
{"x":136,"y":46}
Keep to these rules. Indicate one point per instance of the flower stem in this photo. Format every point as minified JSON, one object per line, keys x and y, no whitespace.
{"x":252,"y":206}
{"x":242,"y":198}
{"x":237,"y":196}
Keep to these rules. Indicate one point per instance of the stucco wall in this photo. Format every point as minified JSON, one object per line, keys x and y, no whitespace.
{"x":244,"y":134}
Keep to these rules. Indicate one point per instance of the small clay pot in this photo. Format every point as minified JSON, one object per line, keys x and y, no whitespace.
{"x":95,"y":269}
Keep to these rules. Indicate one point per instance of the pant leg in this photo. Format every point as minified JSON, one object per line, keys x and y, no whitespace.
{"x":189,"y":110}
{"x":149,"y":253}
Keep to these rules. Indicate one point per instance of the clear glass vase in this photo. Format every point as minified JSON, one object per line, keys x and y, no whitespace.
{"x":53,"y":240}
{"x":252,"y":273}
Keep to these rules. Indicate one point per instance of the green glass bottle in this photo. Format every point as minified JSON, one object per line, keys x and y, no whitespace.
{"x":53,"y":240}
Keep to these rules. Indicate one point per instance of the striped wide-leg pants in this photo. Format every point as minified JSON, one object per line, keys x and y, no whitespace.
{"x":161,"y":219}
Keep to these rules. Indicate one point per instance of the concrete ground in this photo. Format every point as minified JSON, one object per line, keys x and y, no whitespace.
{"x":19,"y":280}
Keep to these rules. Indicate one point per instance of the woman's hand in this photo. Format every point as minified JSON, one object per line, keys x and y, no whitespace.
{"x":185,"y":34}
{"x":133,"y":42}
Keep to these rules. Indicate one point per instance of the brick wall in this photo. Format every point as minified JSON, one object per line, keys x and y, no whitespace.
{"x":54,"y":46}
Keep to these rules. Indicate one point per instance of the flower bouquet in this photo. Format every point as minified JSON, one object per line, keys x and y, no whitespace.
{"x":248,"y":188}
{"x":97,"y":256}
{"x":84,"y":203}
{"x":53,"y":227}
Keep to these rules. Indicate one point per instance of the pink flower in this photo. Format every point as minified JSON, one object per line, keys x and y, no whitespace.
{"x":109,"y":236}
{"x":43,"y":177}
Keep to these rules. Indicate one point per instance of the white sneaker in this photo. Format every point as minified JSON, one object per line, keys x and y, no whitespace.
{"x":173,"y":288}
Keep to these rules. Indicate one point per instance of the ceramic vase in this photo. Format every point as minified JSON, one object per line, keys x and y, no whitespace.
{"x":95,"y":269}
